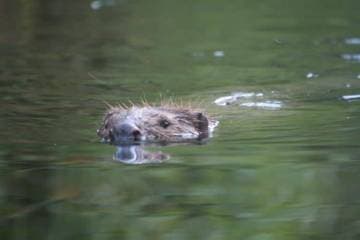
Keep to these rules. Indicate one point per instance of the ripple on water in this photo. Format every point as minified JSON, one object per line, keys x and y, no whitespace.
{"x":352,"y":41}
{"x":98,"y":4}
{"x":266,"y":105}
{"x":354,"y":57}
{"x":219,"y":54}
{"x":227,"y":100}
{"x":248,"y":99}
{"x":351,"y":97}
{"x":311,"y":75}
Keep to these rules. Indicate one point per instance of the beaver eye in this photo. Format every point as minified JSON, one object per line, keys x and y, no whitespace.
{"x":164,"y":123}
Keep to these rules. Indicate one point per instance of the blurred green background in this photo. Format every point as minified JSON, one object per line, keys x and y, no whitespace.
{"x":290,"y":173}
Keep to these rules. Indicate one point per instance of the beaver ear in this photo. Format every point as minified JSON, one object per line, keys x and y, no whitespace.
{"x":101,"y":132}
{"x":201,"y":122}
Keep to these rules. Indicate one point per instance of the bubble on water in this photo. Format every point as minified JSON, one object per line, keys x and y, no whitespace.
{"x":351,"y":97}
{"x":351,"y":57}
{"x":348,"y":85}
{"x":352,"y":41}
{"x":219,"y":54}
{"x":311,"y":75}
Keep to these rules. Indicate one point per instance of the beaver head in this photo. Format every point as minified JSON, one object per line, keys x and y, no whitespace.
{"x":152,"y":124}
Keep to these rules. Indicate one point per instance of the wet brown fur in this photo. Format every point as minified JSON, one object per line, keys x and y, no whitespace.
{"x":185,"y":121}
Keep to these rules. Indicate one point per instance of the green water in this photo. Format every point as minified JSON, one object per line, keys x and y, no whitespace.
{"x":289,"y":173}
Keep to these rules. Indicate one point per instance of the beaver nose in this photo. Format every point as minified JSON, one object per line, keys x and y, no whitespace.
{"x":125,"y":132}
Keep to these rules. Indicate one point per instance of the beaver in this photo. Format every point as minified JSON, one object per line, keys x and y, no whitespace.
{"x":147,"y":123}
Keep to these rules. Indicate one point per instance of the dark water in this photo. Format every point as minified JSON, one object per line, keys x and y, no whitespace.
{"x":287,"y":173}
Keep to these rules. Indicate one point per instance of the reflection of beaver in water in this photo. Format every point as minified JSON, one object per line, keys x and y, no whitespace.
{"x":167,"y":123}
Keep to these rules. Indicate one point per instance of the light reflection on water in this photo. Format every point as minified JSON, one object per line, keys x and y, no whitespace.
{"x":284,"y":174}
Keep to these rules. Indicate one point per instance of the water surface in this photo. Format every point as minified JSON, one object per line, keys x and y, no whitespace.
{"x":286,"y":173}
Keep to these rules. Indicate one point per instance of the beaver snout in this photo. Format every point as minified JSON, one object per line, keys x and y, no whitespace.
{"x":125,"y":132}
